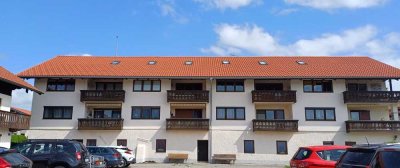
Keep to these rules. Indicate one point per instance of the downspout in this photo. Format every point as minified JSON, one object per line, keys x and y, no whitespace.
{"x":211,"y":121}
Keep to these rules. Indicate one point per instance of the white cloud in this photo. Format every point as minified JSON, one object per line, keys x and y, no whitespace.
{"x":335,"y":4}
{"x":227,"y":4}
{"x":22,"y":99}
{"x":168,"y":9}
{"x":283,"y":12}
{"x":253,"y":40}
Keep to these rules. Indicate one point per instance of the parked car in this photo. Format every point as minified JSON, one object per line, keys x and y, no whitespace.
{"x":127,"y":154}
{"x":317,"y":156}
{"x":111,"y":156}
{"x":11,"y":159}
{"x":55,"y":153}
{"x":371,"y":156}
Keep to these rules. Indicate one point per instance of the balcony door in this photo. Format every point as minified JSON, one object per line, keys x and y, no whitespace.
{"x":109,"y":86}
{"x":268,"y":86}
{"x":188,"y":113}
{"x":188,"y":86}
{"x":107,"y":113}
{"x":357,"y":115}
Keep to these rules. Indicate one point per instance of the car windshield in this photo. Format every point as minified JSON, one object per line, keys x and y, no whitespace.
{"x":360,"y":157}
{"x":388,"y":159}
{"x":302,"y":153}
{"x":331,"y":155}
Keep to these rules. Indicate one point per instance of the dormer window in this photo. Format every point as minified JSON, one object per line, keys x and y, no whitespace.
{"x":188,"y":63}
{"x":262,"y":62}
{"x":152,"y":62}
{"x":225,"y":62}
{"x":301,"y":62}
{"x":115,"y":62}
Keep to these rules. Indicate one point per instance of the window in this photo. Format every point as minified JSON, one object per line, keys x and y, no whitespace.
{"x":60,"y":85}
{"x":42,"y":148}
{"x":317,"y":86}
{"x":107,"y":113}
{"x":357,"y":87}
{"x":145,"y":112}
{"x":91,"y":142}
{"x":302,"y":154}
{"x":122,"y":142}
{"x":147,"y":86}
{"x":360,"y":115}
{"x":55,"y":112}
{"x":270,"y":115}
{"x":350,"y":143}
{"x":248,"y":146}
{"x":230,"y":85}
{"x":109,"y":86}
{"x":328,"y":143}
{"x":230,"y":113}
{"x":320,"y":114}
{"x":281,"y":147}
{"x":331,"y":155}
{"x":161,"y":145}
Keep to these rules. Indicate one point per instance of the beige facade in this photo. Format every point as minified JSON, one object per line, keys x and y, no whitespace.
{"x":224,"y":136}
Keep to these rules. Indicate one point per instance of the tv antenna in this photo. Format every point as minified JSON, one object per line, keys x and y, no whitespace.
{"x":116,"y":45}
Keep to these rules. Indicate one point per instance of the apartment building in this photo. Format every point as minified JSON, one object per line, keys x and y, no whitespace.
{"x":11,"y":119}
{"x":259,"y":108}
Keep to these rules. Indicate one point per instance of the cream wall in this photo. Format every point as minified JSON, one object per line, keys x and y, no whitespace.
{"x":334,"y":100}
{"x":57,"y":99}
{"x":225,"y":136}
{"x":5,"y":102}
{"x":233,"y":99}
{"x":5,"y":138}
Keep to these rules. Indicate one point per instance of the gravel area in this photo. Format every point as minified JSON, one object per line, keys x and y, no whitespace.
{"x":198,"y":165}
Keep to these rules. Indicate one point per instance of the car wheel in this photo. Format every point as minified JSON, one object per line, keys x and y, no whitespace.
{"x":126,"y":163}
{"x":123,"y":163}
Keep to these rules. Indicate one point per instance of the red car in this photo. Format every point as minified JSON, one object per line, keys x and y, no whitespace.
{"x":317,"y":156}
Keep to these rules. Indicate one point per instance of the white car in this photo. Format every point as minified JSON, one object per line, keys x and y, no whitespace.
{"x":127,"y":154}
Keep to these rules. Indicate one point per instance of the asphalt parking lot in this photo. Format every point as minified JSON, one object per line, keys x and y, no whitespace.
{"x":198,"y":165}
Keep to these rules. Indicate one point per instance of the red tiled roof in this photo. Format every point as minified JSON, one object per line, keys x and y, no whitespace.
{"x":8,"y":77}
{"x":249,"y":67}
{"x":21,"y":111}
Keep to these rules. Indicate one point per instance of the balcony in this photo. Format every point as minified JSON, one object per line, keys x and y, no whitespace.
{"x":276,"y":125}
{"x":14,"y":121}
{"x":371,"y":97}
{"x":360,"y":126}
{"x":102,"y":95}
{"x":274,"y":96}
{"x":187,"y":96}
{"x":100,"y":123}
{"x":188,"y":124}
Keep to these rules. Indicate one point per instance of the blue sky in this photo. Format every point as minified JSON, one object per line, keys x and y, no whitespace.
{"x":34,"y":31}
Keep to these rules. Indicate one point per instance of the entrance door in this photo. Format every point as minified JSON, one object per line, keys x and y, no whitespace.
{"x":202,"y":150}
{"x":189,"y":86}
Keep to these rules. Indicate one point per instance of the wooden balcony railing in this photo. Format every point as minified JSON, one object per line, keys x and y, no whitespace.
{"x":187,"y":95}
{"x":14,"y":121}
{"x":371,"y":97}
{"x":188,"y":124}
{"x":275,"y":125}
{"x":102,"y":95}
{"x":273,"y":96}
{"x":359,"y":126}
{"x":100,"y":123}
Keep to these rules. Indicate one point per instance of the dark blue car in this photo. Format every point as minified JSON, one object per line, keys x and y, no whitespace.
{"x":111,"y":156}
